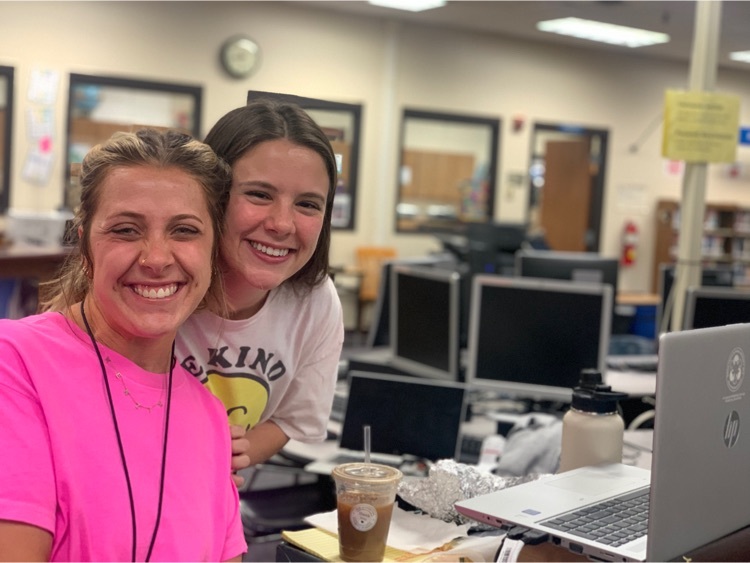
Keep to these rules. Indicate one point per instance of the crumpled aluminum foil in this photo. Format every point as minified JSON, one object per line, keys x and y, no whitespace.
{"x":449,"y":482}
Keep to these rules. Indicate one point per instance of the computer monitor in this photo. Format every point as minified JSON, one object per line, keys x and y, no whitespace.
{"x":426,"y":321}
{"x":715,"y":306}
{"x":406,"y":415}
{"x":378,"y":334}
{"x":496,"y":236}
{"x":710,"y":277}
{"x":530,"y":338}
{"x":485,"y":236}
{"x":561,"y":265}
{"x":490,"y":246}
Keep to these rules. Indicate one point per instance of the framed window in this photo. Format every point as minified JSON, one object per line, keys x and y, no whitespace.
{"x":342,"y":123}
{"x":6,"y":130}
{"x":448,"y":167}
{"x":98,"y":106}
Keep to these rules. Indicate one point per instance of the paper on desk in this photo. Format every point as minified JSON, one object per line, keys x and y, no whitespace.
{"x":409,"y":531}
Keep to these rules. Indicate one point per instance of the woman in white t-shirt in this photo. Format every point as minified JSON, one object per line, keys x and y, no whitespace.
{"x":273,"y":357}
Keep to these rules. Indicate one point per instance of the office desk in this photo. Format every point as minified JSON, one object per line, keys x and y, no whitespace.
{"x":637,"y":299}
{"x":636,"y":384}
{"x":734,"y":547}
{"x":26,"y":261}
{"x":307,"y":453}
{"x":23,"y":267}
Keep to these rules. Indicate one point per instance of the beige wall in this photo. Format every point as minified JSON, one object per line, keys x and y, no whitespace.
{"x":384,"y":66}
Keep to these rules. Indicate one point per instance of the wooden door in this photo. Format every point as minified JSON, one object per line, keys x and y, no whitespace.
{"x":566,"y":196}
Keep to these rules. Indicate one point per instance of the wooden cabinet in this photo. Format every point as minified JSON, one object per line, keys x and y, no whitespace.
{"x":726,"y":238}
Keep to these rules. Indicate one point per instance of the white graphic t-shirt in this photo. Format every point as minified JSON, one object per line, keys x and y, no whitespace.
{"x":280,"y":365}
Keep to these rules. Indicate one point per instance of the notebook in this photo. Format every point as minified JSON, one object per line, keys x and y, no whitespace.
{"x":697,"y":486}
{"x":410,"y":418}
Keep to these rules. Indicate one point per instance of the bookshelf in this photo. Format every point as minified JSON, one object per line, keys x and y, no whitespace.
{"x":726,"y":238}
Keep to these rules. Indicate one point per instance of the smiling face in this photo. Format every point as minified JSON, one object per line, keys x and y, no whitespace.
{"x":151,"y":242}
{"x":273,"y":220}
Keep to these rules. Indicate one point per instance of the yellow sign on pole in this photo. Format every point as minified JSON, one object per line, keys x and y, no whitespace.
{"x":700,"y":126}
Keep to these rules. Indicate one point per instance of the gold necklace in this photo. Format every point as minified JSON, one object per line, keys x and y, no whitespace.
{"x":126,"y":392}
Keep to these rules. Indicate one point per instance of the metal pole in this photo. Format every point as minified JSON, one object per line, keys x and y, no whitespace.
{"x":693,"y":205}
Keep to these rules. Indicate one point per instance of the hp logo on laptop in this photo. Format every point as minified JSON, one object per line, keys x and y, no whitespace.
{"x":735,"y":369}
{"x":731,"y":429}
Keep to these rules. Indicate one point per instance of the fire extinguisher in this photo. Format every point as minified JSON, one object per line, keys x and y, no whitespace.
{"x":629,"y":243}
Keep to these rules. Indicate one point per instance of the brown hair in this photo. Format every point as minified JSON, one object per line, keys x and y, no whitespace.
{"x":265,"y":120}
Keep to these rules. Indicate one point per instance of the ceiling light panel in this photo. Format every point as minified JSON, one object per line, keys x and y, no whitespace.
{"x":409,"y":5}
{"x":742,"y":56}
{"x":603,"y":32}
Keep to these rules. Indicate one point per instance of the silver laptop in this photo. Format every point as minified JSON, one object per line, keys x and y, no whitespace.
{"x":410,"y":418}
{"x":698,"y":480}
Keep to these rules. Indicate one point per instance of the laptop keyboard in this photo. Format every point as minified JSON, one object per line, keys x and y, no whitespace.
{"x":614,"y":522}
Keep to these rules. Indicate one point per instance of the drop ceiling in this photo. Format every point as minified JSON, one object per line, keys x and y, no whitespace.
{"x":519,"y":18}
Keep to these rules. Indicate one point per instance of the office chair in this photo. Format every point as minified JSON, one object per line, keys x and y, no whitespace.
{"x":370,"y":261}
{"x":266,"y":512}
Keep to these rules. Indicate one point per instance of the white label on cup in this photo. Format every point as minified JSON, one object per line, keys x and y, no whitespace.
{"x":363,"y":517}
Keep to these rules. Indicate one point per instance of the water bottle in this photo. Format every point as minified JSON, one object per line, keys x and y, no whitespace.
{"x":592,"y":430}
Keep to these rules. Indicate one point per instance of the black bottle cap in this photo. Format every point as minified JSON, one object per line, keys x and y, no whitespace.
{"x":593,"y":395}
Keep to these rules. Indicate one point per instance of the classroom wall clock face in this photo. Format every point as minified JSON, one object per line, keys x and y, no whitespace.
{"x":239,"y":56}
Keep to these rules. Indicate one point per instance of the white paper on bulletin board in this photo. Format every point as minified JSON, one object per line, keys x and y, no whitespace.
{"x":700,"y":126}
{"x":43,"y":86}
{"x":38,"y":166}
{"x":40,"y":122}
{"x":632,"y":196}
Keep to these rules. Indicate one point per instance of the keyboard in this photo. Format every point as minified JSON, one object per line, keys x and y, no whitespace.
{"x":613,"y":522}
{"x":339,"y":408}
{"x":646,"y":363}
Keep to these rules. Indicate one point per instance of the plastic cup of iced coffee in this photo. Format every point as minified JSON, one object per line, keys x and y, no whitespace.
{"x":365,"y":494}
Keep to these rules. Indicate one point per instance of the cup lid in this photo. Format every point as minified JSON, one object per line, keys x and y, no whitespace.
{"x":370,"y":472}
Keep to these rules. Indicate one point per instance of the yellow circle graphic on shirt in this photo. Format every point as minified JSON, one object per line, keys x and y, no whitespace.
{"x":244,"y":396}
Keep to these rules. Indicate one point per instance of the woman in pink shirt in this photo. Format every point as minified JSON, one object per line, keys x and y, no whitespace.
{"x":112,"y":451}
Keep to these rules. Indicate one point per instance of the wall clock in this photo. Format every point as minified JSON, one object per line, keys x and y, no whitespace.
{"x":239,"y":56}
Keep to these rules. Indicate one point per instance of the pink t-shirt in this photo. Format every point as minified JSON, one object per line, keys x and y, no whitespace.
{"x":61,"y":469}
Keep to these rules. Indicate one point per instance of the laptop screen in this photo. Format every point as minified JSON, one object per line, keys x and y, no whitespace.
{"x":407,"y":415}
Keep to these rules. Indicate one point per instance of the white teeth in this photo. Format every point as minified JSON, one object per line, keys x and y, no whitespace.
{"x":151,"y":293}
{"x":270,"y":251}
